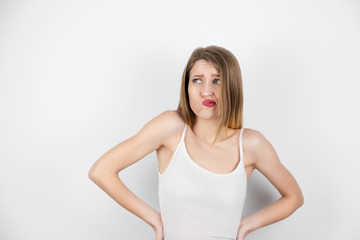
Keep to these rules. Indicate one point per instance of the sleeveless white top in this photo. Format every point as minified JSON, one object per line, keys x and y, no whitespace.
{"x":198,"y":204}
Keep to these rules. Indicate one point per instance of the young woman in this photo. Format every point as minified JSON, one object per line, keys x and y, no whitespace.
{"x":205,"y":157}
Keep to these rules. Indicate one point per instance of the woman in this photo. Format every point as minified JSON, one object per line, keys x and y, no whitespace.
{"x":205,"y":157}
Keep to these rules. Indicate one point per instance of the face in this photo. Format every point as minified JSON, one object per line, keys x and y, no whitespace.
{"x":204,"y":90}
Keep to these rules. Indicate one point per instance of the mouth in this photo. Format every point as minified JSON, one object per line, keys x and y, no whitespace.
{"x":209,"y":103}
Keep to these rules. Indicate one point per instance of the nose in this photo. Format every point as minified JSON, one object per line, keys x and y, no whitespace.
{"x":207,"y":90}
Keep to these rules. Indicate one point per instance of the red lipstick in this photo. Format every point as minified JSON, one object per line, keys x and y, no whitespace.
{"x":209,"y":103}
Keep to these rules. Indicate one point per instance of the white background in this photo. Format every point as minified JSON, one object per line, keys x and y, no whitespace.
{"x":78,"y":77}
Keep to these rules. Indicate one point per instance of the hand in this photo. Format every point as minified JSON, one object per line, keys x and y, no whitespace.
{"x":158,"y":229}
{"x":241,"y":234}
{"x":159,"y":233}
{"x":243,"y":230}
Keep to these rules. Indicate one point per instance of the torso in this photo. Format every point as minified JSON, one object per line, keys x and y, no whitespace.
{"x":206,"y":157}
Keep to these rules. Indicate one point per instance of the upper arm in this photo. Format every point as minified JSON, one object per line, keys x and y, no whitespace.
{"x":267,"y":161}
{"x":152,"y":136}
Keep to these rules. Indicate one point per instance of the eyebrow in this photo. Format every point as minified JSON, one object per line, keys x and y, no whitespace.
{"x":201,"y":75}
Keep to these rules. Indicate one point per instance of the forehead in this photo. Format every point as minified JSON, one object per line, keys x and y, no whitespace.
{"x":202,"y":66}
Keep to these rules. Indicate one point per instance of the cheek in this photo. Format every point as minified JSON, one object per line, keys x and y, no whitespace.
{"x":193,"y":100}
{"x":192,"y":94}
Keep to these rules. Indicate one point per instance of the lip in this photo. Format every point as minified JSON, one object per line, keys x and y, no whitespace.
{"x":209,"y":103}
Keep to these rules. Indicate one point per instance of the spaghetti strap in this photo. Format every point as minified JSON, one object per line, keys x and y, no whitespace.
{"x":241,"y":145}
{"x":183,"y":134}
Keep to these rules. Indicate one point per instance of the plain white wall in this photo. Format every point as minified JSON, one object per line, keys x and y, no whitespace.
{"x":77,"y":77}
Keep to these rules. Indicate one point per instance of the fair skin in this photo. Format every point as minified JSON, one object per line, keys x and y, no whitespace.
{"x":162,"y":134}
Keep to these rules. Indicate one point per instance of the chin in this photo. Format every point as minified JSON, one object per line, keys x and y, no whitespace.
{"x":207,"y":116}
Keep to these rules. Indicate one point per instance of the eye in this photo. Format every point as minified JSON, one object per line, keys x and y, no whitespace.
{"x":217,"y":81}
{"x":195,"y":79}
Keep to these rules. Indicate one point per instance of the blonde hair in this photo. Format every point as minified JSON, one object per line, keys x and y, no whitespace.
{"x":231,"y":93}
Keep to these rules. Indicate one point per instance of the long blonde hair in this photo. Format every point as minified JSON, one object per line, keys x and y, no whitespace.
{"x":231,"y":93}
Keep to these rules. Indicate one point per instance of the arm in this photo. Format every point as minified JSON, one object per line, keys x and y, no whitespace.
{"x":104,"y":171}
{"x":265,"y":159}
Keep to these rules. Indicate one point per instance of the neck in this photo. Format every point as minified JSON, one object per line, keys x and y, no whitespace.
{"x":204,"y":130}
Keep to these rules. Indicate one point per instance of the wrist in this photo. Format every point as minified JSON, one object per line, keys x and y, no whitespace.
{"x":248,"y":224}
{"x":156,"y":222}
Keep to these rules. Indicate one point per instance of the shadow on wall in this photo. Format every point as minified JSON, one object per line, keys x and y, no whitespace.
{"x":260,"y":193}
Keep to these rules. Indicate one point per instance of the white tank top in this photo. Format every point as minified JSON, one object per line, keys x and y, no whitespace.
{"x":198,"y":204}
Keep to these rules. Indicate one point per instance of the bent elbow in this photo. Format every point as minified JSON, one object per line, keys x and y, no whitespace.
{"x":295,"y":202}
{"x":300,"y":201}
{"x":99,"y":173}
{"x":93,"y":173}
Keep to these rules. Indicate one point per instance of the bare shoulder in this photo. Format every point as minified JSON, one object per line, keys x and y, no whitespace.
{"x":172,"y":119}
{"x":164,"y":126}
{"x":257,"y":147}
{"x":252,"y":137}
